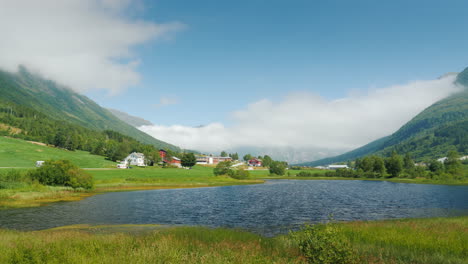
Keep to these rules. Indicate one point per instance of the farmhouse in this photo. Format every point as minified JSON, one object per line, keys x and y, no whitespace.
{"x":136,"y":159}
{"x":211,"y":159}
{"x":174,"y":161}
{"x":335,"y":167}
{"x":255,"y":162}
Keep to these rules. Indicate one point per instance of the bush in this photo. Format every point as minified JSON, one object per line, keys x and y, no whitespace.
{"x":324,"y":244}
{"x":223,"y":168}
{"x":278,"y":168}
{"x":62,"y":173}
{"x":239,"y":174}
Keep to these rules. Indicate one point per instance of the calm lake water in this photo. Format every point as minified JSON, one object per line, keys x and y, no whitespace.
{"x":271,"y":208}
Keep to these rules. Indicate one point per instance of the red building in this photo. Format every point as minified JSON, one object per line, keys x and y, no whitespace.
{"x":174,"y":160}
{"x":255,"y":163}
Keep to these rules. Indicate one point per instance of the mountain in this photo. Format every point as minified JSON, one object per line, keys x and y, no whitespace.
{"x":441,"y":127}
{"x":134,"y":121}
{"x":61,"y":103}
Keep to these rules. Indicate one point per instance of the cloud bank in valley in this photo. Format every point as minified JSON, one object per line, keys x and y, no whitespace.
{"x":85,"y":44}
{"x":304,"y":120}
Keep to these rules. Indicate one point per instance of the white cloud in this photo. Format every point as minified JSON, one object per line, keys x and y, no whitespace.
{"x":305,"y":121}
{"x":86,"y":44}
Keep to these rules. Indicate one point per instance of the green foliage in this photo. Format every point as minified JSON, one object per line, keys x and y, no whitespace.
{"x":278,"y":168}
{"x":239,"y":174}
{"x":223,"y":168}
{"x":62,"y":173}
{"x":224,"y":154}
{"x":247,"y":157}
{"x":234,"y":156}
{"x":453,"y":164}
{"x":267,"y":161}
{"x":59,"y":103}
{"x":188,"y":160}
{"x":431,"y":134}
{"x":324,"y":244}
{"x":394,"y":164}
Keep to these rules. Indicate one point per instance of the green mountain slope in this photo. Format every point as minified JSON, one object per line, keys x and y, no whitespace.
{"x":20,"y":153}
{"x":441,"y":127}
{"x":129,"y":119}
{"x":61,"y":103}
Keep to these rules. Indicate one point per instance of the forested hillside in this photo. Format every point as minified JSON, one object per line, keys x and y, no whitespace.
{"x":431,"y":134}
{"x":62,"y":104}
{"x":26,"y":123}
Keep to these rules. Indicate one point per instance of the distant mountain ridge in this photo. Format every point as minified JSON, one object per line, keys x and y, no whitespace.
{"x":441,"y":127}
{"x":61,"y":103}
{"x":134,"y":121}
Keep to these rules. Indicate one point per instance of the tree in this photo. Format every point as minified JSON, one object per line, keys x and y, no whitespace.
{"x":267,"y":161}
{"x":247,"y":157}
{"x":379,"y":166}
{"x":394,"y":164}
{"x":223,"y":168}
{"x":235,"y":156}
{"x":188,"y":160}
{"x":436,"y":166}
{"x":408,"y":162}
{"x":62,"y":173}
{"x":453,"y":164}
{"x":224,"y":154}
{"x":278,"y":168}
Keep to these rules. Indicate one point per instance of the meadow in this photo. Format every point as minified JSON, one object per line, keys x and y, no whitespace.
{"x":20,"y":153}
{"x":434,"y":240}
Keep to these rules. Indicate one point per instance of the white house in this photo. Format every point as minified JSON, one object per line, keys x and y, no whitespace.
{"x":335,"y":167}
{"x":136,"y":159}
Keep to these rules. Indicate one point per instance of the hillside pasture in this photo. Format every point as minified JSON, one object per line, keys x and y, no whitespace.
{"x":16,"y":153}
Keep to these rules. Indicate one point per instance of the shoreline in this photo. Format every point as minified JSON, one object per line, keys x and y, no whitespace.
{"x":395,"y":180}
{"x":36,"y":199}
{"x":73,"y":195}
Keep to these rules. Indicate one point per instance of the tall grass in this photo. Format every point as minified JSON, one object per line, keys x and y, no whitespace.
{"x":179,"y":245}
{"x":436,"y":240}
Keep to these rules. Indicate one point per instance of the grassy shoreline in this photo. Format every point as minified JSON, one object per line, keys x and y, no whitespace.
{"x":396,"y":180}
{"x":117,"y":180}
{"x":428,"y":240}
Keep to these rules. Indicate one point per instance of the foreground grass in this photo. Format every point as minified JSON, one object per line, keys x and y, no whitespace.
{"x":20,"y":153}
{"x":174,"y":245}
{"x":434,"y":240}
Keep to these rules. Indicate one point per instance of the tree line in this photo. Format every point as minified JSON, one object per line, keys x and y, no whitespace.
{"x":29,"y":124}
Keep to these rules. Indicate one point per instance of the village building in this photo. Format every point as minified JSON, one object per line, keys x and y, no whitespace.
{"x":255,"y":162}
{"x":135,"y":159}
{"x":335,"y":167}
{"x":174,"y":161}
{"x":210,"y":160}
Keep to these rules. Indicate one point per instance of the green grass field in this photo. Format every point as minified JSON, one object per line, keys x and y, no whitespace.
{"x":20,"y":153}
{"x":418,"y":241}
{"x":198,"y":176}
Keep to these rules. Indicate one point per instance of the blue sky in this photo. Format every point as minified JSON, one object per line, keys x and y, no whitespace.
{"x":305,"y":79}
{"x":232,"y":53}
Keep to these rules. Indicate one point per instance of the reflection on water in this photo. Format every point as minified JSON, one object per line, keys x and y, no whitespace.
{"x":271,"y":208}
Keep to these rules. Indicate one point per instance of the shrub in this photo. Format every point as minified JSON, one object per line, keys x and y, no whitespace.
{"x":239,"y":174}
{"x":223,"y":168}
{"x":324,"y":244}
{"x":62,"y":173}
{"x":278,"y":168}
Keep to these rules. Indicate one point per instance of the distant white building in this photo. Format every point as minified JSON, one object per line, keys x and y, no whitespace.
{"x":442,"y":160}
{"x":335,"y":167}
{"x":136,"y":159}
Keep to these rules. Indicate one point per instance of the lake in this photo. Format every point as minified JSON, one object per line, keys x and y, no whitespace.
{"x":271,"y":208}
